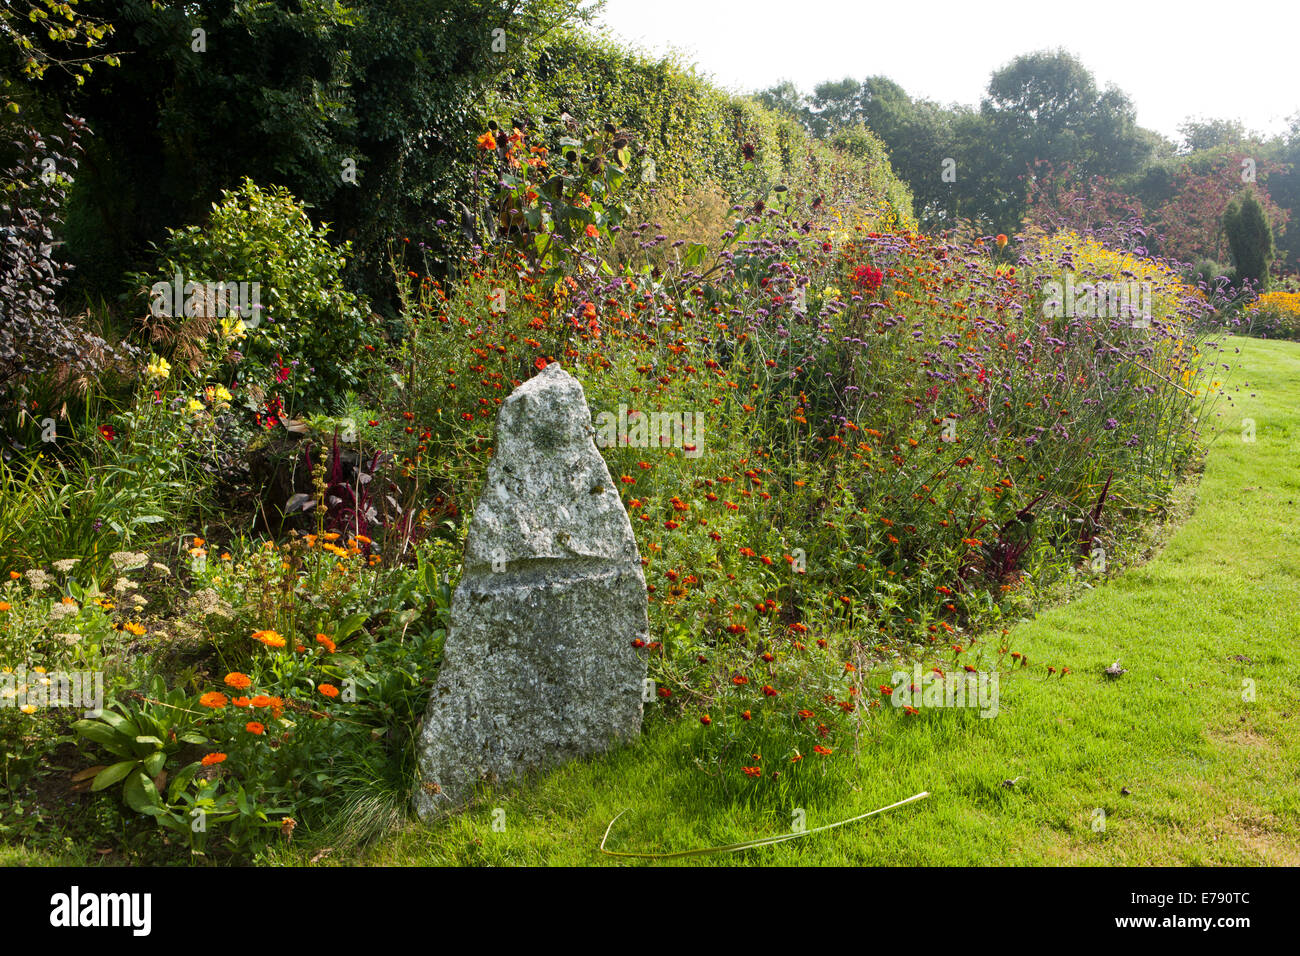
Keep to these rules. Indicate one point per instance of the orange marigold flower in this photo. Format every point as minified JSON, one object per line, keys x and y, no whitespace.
{"x":329,"y":690}
{"x":324,"y":641}
{"x":240,"y":702}
{"x":214,"y":699}
{"x":211,"y":759}
{"x":253,"y":727}
{"x":261,"y":700}
{"x":238,"y":681}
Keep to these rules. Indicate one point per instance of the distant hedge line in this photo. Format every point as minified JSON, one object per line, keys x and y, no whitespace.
{"x":693,"y":130}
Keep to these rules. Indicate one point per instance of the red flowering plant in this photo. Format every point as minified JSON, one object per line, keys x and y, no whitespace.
{"x":555,"y":189}
{"x":892,"y":443}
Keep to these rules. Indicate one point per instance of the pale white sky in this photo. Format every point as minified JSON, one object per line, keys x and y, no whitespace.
{"x":1173,"y":59}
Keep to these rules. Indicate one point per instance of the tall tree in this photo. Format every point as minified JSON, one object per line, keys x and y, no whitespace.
{"x":836,"y":105}
{"x":787,"y":98}
{"x":1203,"y":134}
{"x":1046,"y":106}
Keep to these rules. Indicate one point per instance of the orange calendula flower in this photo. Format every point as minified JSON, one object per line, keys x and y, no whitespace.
{"x":212,"y":759}
{"x":324,"y":641}
{"x":214,"y":699}
{"x":329,"y":690}
{"x":241,"y":702}
{"x":269,"y":638}
{"x":5,"y":605}
{"x":238,"y":681}
{"x":592,"y":231}
{"x":253,"y":727}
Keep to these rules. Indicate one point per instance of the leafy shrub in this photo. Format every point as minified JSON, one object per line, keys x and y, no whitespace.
{"x":307,"y":343}
{"x":1250,"y":239}
{"x":35,"y":335}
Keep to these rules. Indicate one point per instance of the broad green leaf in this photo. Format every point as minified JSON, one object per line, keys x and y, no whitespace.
{"x":141,"y":795}
{"x":106,"y":737}
{"x":111,"y":775}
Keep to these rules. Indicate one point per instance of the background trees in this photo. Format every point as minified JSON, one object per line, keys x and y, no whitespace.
{"x":1046,"y":143}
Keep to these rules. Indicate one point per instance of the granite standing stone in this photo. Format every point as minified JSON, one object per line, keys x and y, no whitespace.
{"x":538,"y":667}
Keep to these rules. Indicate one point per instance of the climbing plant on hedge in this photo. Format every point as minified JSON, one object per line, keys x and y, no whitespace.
{"x":694,"y":134}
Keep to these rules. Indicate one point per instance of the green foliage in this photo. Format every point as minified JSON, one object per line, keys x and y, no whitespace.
{"x":360,"y":109}
{"x":1250,"y":239}
{"x":552,"y":208}
{"x":307,"y":342}
{"x":1213,"y":276}
{"x":36,"y":35}
{"x":694,"y":134}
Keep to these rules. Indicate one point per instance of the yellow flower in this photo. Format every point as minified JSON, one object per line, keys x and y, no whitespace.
{"x":159,"y":368}
{"x":28,"y":708}
{"x":232,"y":329}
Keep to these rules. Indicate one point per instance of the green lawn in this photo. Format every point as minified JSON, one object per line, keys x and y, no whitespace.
{"x":1212,"y":778}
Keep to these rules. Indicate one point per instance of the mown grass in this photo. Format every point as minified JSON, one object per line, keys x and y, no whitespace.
{"x":1211,"y":777}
